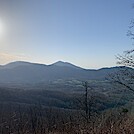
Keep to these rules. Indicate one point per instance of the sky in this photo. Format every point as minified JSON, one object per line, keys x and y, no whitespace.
{"x":87,"y":33}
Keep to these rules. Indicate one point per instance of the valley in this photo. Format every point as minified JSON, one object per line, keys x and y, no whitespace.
{"x":54,"y":98}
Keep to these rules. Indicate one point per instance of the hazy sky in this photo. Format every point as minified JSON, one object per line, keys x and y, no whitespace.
{"x":88,"y":33}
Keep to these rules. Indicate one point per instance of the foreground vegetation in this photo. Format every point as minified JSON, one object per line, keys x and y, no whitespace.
{"x":16,"y":119}
{"x":65,"y":111}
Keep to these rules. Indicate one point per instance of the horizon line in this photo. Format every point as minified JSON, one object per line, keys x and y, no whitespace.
{"x":59,"y":61}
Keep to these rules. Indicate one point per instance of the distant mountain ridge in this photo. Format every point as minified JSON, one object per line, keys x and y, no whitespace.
{"x":19,"y":63}
{"x":26,"y":72}
{"x":16,"y":64}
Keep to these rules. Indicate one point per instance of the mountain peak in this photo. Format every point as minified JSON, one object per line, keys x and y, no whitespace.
{"x":61,"y":63}
{"x":65,"y":64}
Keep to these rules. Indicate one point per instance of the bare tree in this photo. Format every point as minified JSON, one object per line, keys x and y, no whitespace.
{"x":127,"y":58}
{"x":125,"y":76}
{"x":87,"y":109}
{"x":85,"y":102}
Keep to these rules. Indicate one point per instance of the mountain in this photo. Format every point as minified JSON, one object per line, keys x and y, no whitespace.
{"x":25,"y":72}
{"x":19,"y":64}
{"x":16,"y":64}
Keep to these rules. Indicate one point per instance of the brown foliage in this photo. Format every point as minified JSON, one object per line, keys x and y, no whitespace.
{"x":39,"y":120}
